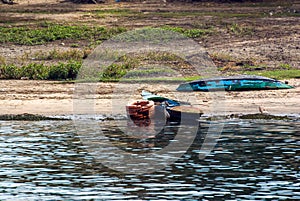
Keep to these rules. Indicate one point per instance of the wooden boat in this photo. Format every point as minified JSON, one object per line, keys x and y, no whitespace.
{"x":186,"y":113}
{"x":176,"y":109}
{"x":139,"y":109}
{"x":145,"y":112}
{"x":233,"y":83}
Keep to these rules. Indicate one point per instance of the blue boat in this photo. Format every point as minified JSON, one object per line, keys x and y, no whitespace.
{"x":233,"y":83}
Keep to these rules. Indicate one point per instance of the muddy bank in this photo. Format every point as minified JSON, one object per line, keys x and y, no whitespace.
{"x":36,"y":117}
{"x":29,"y":117}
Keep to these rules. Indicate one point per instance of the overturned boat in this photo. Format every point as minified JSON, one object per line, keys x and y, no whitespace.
{"x":233,"y":83}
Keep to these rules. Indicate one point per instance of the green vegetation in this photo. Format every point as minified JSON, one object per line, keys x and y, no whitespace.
{"x":115,"y":71}
{"x":128,"y":65}
{"x":195,"y":13}
{"x":147,"y":72}
{"x":72,"y":54}
{"x":84,"y":34}
{"x":191,"y":33}
{"x":239,"y":29}
{"x":48,"y":32}
{"x":277,"y":74}
{"x":115,"y":12}
{"x":164,"y":34}
{"x":159,"y":56}
{"x":60,"y":71}
{"x":285,"y":66}
{"x":119,"y":12}
{"x":231,"y":65}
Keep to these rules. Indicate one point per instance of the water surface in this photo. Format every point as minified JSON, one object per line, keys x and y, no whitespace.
{"x":252,"y":160}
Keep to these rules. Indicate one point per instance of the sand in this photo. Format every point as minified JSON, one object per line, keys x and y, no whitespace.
{"x":53,"y":98}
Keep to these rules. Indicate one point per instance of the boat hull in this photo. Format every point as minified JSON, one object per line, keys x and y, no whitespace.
{"x":242,"y":83}
{"x":184,"y":114}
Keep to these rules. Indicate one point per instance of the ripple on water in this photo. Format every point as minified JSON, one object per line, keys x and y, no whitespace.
{"x":252,"y":160}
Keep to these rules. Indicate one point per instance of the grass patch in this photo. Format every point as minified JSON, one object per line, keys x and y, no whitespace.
{"x":115,"y":12}
{"x":167,"y":14}
{"x":145,"y":64}
{"x":149,"y":80}
{"x":277,"y":74}
{"x":239,"y":29}
{"x":285,"y":66}
{"x":60,"y":71}
{"x":48,"y":32}
{"x":191,"y":33}
{"x":195,"y":13}
{"x":159,"y":56}
{"x":159,"y":35}
{"x":148,"y":34}
{"x":151,"y":72}
{"x":137,"y":65}
{"x":115,"y":71}
{"x":72,"y":54}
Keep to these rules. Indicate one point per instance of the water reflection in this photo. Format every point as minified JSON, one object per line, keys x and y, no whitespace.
{"x":253,"y":160}
{"x":135,"y":140}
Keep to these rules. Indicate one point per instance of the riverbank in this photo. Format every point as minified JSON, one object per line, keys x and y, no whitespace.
{"x":53,"y":98}
{"x":240,"y":38}
{"x":44,"y":40}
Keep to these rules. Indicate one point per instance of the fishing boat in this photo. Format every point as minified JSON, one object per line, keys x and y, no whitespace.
{"x":233,"y":83}
{"x":176,"y":109}
{"x":139,"y":109}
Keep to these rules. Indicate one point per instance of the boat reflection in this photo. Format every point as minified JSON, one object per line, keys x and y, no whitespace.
{"x":149,"y":134}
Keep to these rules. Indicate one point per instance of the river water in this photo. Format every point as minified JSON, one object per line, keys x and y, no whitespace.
{"x":251,"y":160}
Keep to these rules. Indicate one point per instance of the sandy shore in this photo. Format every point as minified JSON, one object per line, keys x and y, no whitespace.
{"x":56,"y":98}
{"x":261,"y":39}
